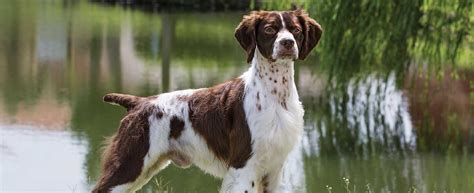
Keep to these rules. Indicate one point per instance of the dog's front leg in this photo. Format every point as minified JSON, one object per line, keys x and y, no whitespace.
{"x":241,"y":180}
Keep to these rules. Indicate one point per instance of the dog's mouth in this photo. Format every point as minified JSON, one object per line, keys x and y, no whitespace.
{"x":286,"y":55}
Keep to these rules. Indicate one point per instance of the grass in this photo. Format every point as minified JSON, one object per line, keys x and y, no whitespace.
{"x":353,"y":189}
{"x":162,"y":187}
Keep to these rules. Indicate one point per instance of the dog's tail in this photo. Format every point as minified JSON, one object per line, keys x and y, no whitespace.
{"x":124,"y":100}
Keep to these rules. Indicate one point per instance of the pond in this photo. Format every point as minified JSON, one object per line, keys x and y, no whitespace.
{"x":388,"y":103}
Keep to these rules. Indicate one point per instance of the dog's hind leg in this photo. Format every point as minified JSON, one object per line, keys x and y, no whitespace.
{"x":129,"y":160}
{"x":120,"y":186}
{"x":144,"y":177}
{"x":127,"y":167}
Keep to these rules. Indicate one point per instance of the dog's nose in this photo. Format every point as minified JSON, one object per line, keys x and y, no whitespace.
{"x":287,"y":43}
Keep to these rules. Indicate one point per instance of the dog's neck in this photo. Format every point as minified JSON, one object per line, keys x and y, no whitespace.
{"x":275,"y":78}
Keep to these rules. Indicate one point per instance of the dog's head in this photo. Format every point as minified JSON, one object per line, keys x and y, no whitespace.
{"x":278,"y":35}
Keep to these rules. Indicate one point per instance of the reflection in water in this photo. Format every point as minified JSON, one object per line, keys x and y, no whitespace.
{"x":384,"y":104}
{"x":134,"y":69}
{"x":426,"y":173}
{"x":373,"y":113}
{"x":33,"y":160}
{"x":57,"y":60}
{"x":444,"y":122}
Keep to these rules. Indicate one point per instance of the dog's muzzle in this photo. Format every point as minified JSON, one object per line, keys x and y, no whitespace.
{"x":286,"y":49}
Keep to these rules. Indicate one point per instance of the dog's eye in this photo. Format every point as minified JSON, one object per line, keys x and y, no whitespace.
{"x":296,"y":30}
{"x":269,"y":30}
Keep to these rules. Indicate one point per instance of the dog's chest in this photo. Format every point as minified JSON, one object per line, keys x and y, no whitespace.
{"x":274,"y":115}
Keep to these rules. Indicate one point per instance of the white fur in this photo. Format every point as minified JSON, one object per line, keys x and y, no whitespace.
{"x":282,"y":21}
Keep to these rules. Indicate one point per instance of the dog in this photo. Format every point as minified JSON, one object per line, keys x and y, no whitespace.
{"x":241,"y":130}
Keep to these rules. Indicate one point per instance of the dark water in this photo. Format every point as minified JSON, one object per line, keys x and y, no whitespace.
{"x":388,"y":107}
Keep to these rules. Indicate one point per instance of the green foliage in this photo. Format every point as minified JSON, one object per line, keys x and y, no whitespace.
{"x":365,"y":35}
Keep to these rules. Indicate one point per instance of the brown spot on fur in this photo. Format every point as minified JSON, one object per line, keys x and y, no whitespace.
{"x":176,"y":127}
{"x":274,"y":91}
{"x":258,"y":95}
{"x":265,"y":183}
{"x":259,"y":107}
{"x":218,"y":115}
{"x":123,"y":158}
{"x":283,"y":104}
{"x":159,"y":114}
{"x":253,"y":184}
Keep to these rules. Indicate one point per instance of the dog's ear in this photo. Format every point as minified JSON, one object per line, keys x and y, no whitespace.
{"x":312,"y":33}
{"x":124,"y":100}
{"x":245,"y":33}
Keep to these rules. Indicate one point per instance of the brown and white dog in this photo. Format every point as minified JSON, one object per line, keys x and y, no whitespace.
{"x":241,"y":130}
